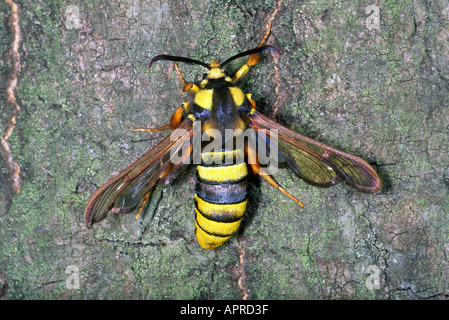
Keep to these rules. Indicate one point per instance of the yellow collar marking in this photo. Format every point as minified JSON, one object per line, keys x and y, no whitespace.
{"x":203,"y":98}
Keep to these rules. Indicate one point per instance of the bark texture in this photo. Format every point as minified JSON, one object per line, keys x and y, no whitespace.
{"x":375,"y":88}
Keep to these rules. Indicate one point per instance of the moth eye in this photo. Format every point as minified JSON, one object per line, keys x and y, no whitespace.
{"x":204,"y":76}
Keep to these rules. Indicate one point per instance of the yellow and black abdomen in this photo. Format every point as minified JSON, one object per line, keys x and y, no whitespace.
{"x":220,"y":198}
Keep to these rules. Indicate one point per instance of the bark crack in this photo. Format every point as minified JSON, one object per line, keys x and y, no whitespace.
{"x":241,"y":281}
{"x":276,"y":60}
{"x":11,"y":103}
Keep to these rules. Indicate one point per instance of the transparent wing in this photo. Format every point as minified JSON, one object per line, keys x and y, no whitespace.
{"x":124,"y":191}
{"x":315,"y":162}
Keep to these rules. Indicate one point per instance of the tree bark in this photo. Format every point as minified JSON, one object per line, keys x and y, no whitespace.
{"x":369,"y":78}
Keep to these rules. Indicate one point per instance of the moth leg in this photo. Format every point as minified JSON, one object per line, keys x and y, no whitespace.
{"x":256,"y":167}
{"x":175,"y":120}
{"x":154,"y":129}
{"x":251,"y":101}
{"x":141,"y":207}
{"x":177,"y":116}
{"x":188,"y":86}
{"x":253,"y":59}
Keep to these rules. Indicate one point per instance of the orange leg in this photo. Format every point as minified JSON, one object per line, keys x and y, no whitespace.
{"x":154,"y":129}
{"x":255,"y":165}
{"x":252,"y":103}
{"x":175,"y":120}
{"x":253,"y":59}
{"x":143,"y":204}
{"x":188,"y":86}
{"x":177,"y":116}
